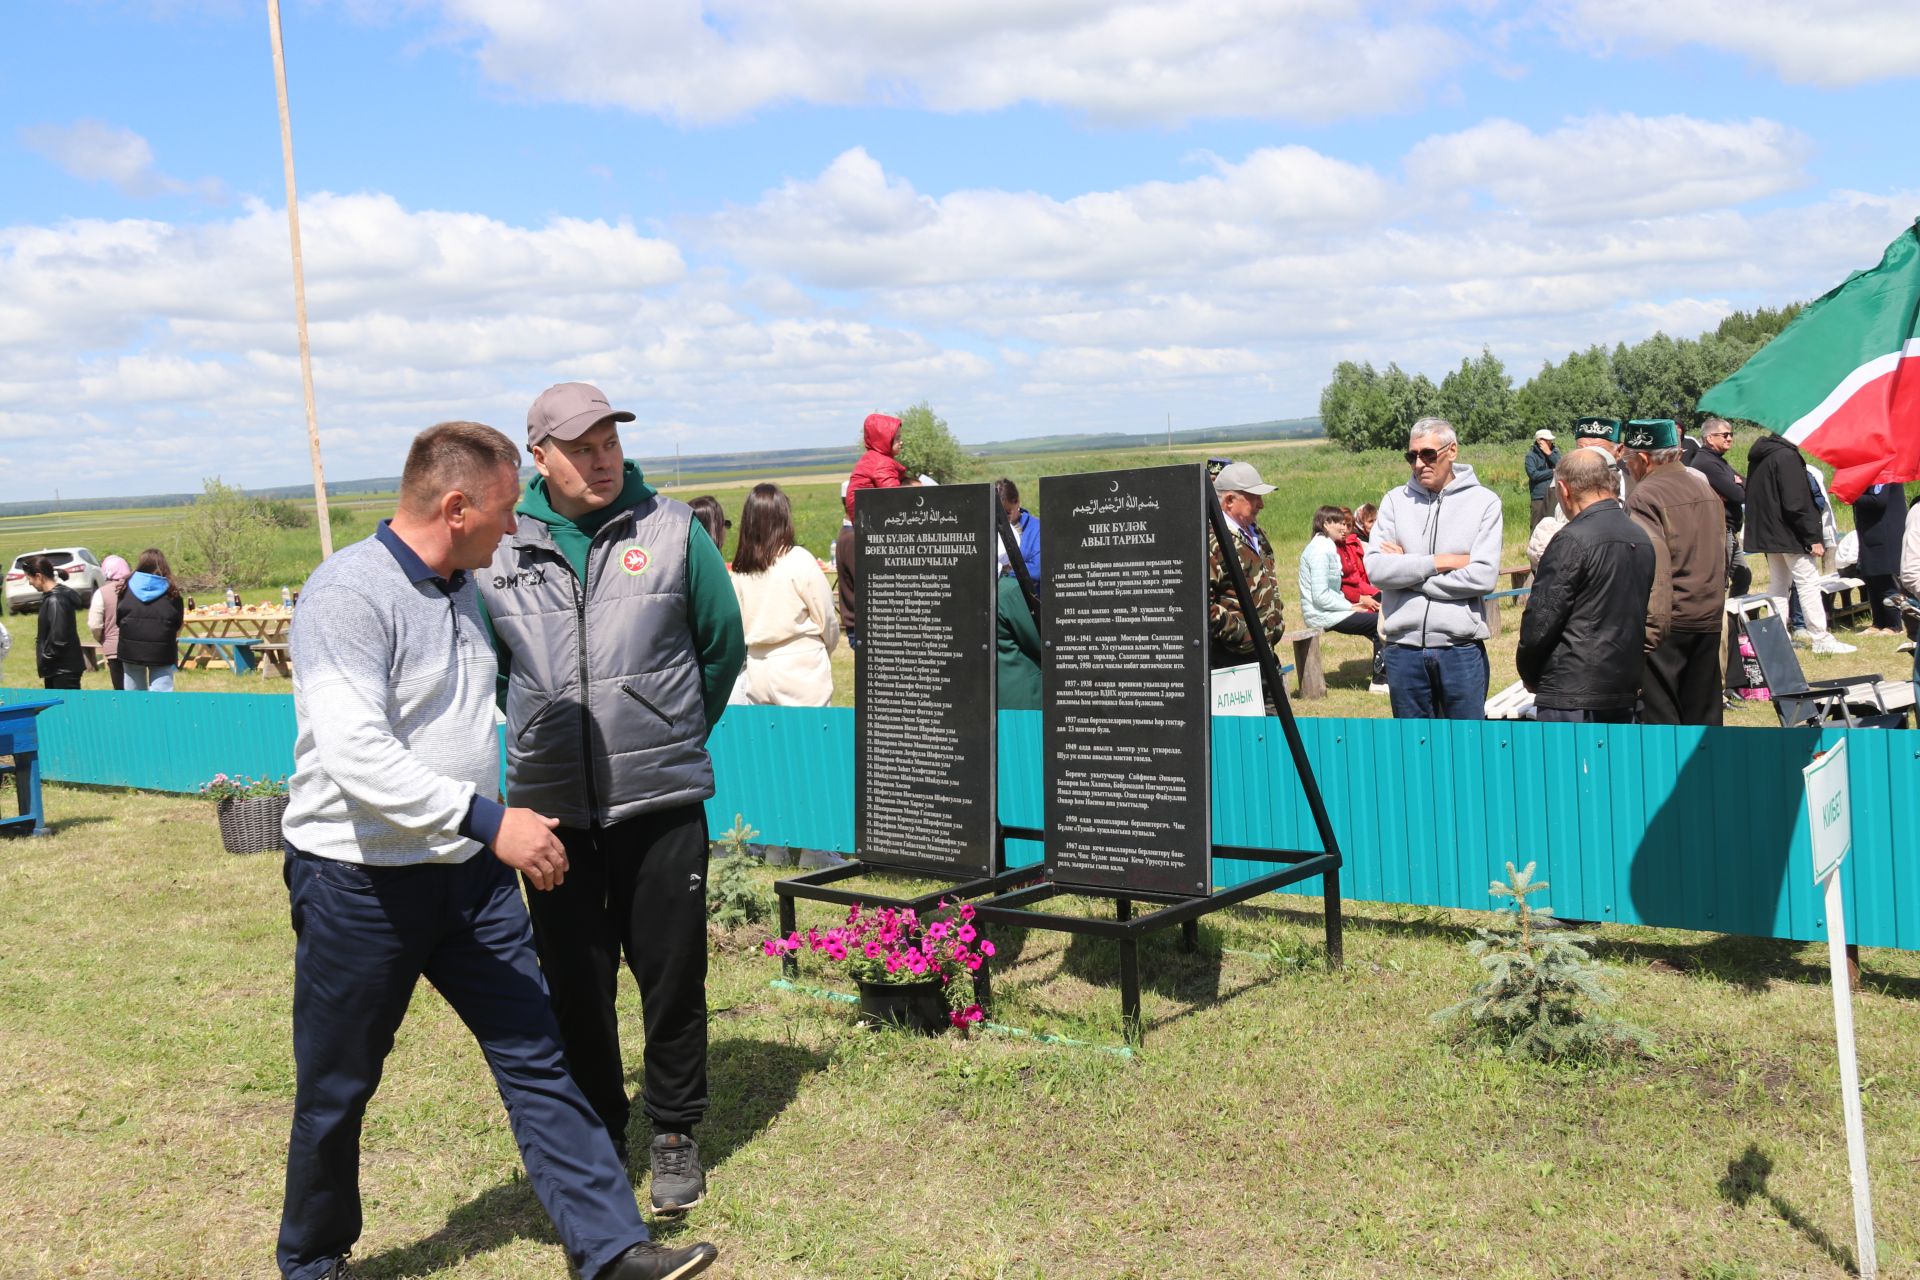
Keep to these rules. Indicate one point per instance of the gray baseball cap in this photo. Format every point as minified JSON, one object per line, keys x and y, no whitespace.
{"x":1240,"y":477}
{"x":568,"y":410}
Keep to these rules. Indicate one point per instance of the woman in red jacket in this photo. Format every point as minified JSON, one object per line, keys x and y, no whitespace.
{"x":1353,"y":550}
{"x":877,"y":468}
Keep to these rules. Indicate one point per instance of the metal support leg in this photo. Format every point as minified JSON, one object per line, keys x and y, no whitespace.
{"x":1130,"y":988}
{"x":1336,"y":932}
{"x":983,"y":976}
{"x":1123,"y":909}
{"x":1190,"y":936}
{"x":789,"y":963}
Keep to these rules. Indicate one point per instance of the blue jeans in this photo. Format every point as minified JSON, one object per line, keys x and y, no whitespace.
{"x":1438,"y":684}
{"x":139,"y":679}
{"x":365,"y":937}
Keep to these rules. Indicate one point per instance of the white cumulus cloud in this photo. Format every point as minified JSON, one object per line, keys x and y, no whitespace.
{"x":1115,"y":60}
{"x":95,"y":151}
{"x":1834,"y":42}
{"x":1607,"y":167}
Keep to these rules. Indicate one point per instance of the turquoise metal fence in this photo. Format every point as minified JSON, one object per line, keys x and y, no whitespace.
{"x":1692,"y":828}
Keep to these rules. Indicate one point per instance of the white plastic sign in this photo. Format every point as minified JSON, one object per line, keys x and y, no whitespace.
{"x":1236,"y":691}
{"x":1829,"y":811}
{"x":1830,"y":822}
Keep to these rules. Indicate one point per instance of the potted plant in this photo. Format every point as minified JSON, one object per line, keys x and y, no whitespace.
{"x":249,"y":809}
{"x":908,"y":967}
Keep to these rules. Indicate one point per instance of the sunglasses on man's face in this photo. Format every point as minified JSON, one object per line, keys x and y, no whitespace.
{"x":1426,"y":456}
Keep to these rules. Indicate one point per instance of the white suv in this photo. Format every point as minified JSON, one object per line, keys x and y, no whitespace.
{"x":75,"y":566}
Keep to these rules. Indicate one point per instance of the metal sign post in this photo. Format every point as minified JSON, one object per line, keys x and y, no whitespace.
{"x":1830,"y":818}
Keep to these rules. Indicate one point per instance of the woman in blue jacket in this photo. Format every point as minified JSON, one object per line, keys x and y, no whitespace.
{"x":1026,"y":527}
{"x":1321,"y":603}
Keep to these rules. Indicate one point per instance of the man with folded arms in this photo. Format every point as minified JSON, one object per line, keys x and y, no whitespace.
{"x":400,"y":865}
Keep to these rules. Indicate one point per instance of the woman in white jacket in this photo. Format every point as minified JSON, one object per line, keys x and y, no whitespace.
{"x":1321,"y":603}
{"x":786,"y":608}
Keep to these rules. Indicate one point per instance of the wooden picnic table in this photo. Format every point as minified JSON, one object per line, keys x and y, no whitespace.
{"x":267,"y":625}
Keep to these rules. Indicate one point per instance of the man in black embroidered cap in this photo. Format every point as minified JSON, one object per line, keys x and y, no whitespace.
{"x":1583,"y":635}
{"x":1682,"y":680}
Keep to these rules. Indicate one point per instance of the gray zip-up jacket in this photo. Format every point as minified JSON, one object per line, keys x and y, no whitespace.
{"x":1419,"y":607}
{"x":604,"y":714}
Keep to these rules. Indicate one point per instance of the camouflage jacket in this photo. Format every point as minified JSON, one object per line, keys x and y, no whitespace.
{"x":1230,"y":642}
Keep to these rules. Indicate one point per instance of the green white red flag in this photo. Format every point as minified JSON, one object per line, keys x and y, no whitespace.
{"x":1843,"y":380}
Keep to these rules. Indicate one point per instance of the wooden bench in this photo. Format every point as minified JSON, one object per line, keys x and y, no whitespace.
{"x":234,"y":651}
{"x":1519,"y":575}
{"x":274,"y":657}
{"x":1844,"y":598}
{"x":1491,"y":604}
{"x":1312,"y":681}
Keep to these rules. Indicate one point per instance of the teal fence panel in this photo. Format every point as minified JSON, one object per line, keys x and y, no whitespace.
{"x":1684,"y":827}
{"x":161,"y":741}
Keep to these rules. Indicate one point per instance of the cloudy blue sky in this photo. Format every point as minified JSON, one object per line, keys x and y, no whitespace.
{"x":754,"y":222}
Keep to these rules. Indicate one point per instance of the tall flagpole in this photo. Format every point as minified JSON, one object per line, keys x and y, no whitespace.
{"x":299,"y":282}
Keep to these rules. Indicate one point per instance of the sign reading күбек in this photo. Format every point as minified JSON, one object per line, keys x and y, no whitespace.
{"x":1829,"y":814}
{"x":924,"y":736}
{"x":1126,"y":695}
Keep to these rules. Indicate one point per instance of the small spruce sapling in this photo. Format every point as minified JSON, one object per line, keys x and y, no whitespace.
{"x":1538,"y":983}
{"x":734,"y":896}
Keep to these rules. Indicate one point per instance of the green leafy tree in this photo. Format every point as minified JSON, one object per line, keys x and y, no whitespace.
{"x":1559,"y":395}
{"x":1407,"y":398}
{"x":1350,"y":405}
{"x":225,"y":539}
{"x":927,"y":447}
{"x":1539,"y":982}
{"x":1477,"y":398}
{"x":1756,"y":327}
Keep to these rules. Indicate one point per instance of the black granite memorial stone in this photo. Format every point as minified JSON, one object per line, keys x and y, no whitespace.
{"x":1125,"y":682}
{"x":924,"y":737}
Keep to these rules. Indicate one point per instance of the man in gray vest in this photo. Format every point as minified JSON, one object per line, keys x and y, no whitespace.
{"x":619,"y":640}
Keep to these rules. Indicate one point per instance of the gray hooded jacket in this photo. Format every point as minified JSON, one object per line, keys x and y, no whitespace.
{"x":1419,"y":607}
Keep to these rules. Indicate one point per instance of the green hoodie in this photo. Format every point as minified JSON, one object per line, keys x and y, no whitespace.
{"x":713,"y":611}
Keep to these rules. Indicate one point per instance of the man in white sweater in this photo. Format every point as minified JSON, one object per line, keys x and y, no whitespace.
{"x":399,"y":865}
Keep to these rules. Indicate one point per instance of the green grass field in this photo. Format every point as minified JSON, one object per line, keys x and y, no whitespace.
{"x":1280,"y":1121}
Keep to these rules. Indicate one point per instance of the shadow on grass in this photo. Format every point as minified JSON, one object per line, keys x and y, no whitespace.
{"x":1746,"y":1179}
{"x":750,"y":1081}
{"x":1740,"y":960}
{"x":1753,"y":964}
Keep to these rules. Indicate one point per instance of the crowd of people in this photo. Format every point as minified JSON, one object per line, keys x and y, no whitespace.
{"x":1623,"y":622}
{"x":134,"y":617}
{"x":602,"y":618}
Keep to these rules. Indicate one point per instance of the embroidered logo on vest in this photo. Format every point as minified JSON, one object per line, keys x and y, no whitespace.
{"x":635,"y":560}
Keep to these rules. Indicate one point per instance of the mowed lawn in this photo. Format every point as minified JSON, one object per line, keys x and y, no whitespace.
{"x":1280,"y":1121}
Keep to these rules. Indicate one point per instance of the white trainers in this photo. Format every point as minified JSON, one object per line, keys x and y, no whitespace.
{"x":1827,"y":644}
{"x":1378,"y":687}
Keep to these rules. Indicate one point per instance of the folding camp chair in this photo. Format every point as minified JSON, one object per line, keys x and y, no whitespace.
{"x":1859,"y":702}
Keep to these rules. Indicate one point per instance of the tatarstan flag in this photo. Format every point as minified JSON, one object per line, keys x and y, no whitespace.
{"x":1843,"y":380}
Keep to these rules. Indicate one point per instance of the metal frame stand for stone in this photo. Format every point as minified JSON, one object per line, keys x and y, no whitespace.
{"x":1015,"y":908}
{"x":818,"y":886}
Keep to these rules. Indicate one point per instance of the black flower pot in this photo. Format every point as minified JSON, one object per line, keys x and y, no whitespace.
{"x":909,"y":1006}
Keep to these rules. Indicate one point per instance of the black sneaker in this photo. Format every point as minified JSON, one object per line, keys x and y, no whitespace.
{"x":679,"y":1183}
{"x":651,"y":1260}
